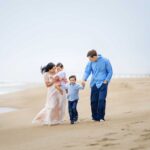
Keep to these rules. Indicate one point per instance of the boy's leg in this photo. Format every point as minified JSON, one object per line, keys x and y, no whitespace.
{"x":75,"y":112}
{"x":94,"y":102}
{"x":102,"y":101}
{"x":70,"y":110}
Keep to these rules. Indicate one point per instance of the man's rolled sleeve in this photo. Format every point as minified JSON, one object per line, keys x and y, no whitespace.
{"x":87,"y":71}
{"x":109,"y":70}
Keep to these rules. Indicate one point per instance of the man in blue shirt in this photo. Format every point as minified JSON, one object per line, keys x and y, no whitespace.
{"x":101,"y":71}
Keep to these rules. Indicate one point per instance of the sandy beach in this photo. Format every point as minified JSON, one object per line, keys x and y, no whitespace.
{"x":127,"y":125}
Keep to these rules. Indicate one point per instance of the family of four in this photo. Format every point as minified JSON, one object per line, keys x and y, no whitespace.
{"x":59,"y":90}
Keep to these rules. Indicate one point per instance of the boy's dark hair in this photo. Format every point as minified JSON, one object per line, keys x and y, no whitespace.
{"x":73,"y":76}
{"x":60,"y":65}
{"x":92,"y":53}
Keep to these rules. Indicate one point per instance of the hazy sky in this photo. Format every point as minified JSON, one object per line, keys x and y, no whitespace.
{"x":35,"y":32}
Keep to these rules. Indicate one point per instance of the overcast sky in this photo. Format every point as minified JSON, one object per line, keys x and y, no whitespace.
{"x":35,"y":32}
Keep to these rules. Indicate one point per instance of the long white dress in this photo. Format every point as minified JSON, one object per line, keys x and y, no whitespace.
{"x":54,"y":110}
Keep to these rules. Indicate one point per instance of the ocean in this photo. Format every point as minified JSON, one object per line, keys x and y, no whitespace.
{"x":10,"y":87}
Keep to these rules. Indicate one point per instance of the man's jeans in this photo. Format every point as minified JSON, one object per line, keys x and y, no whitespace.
{"x":98,"y":102}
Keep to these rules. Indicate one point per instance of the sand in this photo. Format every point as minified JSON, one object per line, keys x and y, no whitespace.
{"x":127,"y":125}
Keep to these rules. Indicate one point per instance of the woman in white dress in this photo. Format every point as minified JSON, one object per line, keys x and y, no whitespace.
{"x":53,"y":112}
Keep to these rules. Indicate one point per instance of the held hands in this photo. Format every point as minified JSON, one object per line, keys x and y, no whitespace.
{"x":83,"y":83}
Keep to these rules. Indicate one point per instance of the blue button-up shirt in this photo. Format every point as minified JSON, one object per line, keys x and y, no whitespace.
{"x":73,"y":91}
{"x":101,"y":70}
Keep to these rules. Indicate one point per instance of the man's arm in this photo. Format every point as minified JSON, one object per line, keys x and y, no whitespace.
{"x":109,"y":71}
{"x":80,"y":87}
{"x":87,"y":72}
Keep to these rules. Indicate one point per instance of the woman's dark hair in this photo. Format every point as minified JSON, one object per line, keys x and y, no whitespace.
{"x":60,"y":65}
{"x":92,"y":53}
{"x":48,"y":67}
{"x":73,"y":76}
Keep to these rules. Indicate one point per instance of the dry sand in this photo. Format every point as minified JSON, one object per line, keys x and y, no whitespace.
{"x":127,"y":125}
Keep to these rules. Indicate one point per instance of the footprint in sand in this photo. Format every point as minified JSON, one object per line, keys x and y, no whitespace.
{"x":107,"y":139}
{"x":103,"y":140}
{"x":137,"y":148}
{"x":137,"y":122}
{"x":146,"y":130}
{"x":110,"y":144}
{"x":69,"y":146}
{"x":93,"y":144}
{"x":123,"y":129}
{"x":145,"y":136}
{"x":105,"y":145}
{"x":111,"y":133}
{"x":127,"y":134}
{"x":128,"y":112}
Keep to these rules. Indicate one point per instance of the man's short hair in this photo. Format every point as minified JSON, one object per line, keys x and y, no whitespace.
{"x":92,"y":53}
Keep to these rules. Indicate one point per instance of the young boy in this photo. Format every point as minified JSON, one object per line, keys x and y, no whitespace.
{"x":73,"y":97}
